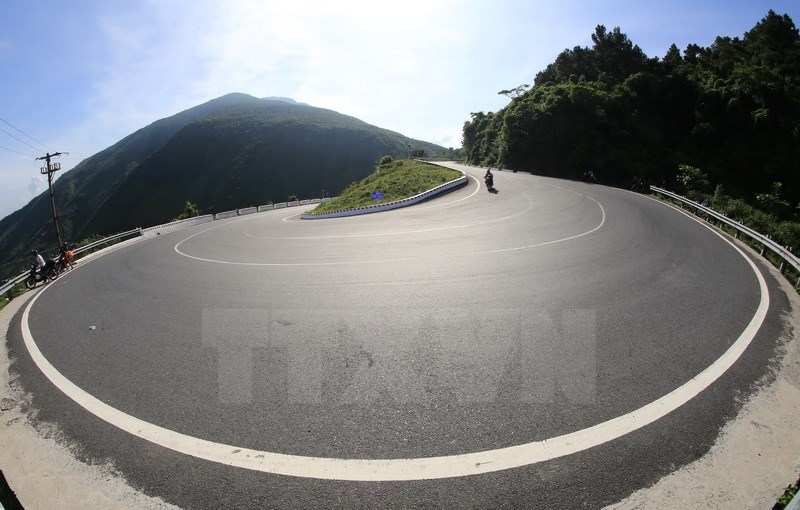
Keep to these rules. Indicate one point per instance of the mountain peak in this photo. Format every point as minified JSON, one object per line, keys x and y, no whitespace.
{"x":283,"y":100}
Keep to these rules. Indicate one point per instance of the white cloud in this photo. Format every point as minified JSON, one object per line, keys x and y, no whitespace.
{"x":360,"y":58}
{"x":36,"y":185}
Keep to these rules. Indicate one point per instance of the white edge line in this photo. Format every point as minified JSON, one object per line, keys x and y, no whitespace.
{"x":416,"y":468}
{"x":469,"y":225}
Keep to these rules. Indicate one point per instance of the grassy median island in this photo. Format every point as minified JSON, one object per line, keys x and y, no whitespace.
{"x":392,"y":180}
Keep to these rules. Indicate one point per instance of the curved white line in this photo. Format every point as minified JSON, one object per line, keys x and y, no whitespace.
{"x":424,"y":468}
{"x":477,"y":189}
{"x":469,"y":225}
{"x":406,"y":232}
{"x":408,"y":259}
{"x":292,"y":216}
{"x":397,"y":233}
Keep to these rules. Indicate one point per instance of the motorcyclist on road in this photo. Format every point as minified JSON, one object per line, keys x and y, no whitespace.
{"x":489,"y":178}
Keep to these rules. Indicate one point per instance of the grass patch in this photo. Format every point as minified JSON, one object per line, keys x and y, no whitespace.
{"x":13,"y":292}
{"x":394,"y":180}
{"x":787,"y":496}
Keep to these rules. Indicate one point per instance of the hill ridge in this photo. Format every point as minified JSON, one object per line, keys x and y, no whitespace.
{"x":232,"y":151}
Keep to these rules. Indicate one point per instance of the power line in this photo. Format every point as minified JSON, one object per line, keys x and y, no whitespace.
{"x":18,"y":152}
{"x":15,"y":138}
{"x":26,"y":134}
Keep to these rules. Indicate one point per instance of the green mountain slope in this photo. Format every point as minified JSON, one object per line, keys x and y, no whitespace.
{"x":234,"y":151}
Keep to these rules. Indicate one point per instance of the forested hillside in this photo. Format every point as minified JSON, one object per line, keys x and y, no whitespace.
{"x":234,"y":151}
{"x":729,"y":113}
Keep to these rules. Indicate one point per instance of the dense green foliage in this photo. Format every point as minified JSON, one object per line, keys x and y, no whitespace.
{"x":768,"y":222}
{"x":730,"y":111}
{"x":787,"y":496}
{"x":235,"y":151}
{"x":393,"y":180}
{"x":190,"y":210}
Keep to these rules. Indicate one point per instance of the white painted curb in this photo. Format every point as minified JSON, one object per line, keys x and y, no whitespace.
{"x":392,"y":205}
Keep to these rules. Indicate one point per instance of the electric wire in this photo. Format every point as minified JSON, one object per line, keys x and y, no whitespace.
{"x":17,"y":152}
{"x":19,"y":140}
{"x":26,"y":134}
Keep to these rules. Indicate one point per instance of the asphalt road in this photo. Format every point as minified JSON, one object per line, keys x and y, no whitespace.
{"x":474,"y":322}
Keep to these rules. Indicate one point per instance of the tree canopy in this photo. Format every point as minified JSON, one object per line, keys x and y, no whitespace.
{"x":731,"y":110}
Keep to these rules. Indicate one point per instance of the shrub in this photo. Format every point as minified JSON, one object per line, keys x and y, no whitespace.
{"x":190,"y":210}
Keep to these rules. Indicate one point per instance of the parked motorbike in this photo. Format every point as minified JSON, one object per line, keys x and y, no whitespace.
{"x":64,"y":261}
{"x":48,"y":272}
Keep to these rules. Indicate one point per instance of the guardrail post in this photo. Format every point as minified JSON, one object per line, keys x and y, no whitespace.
{"x":783,"y":266}
{"x":763,"y":247}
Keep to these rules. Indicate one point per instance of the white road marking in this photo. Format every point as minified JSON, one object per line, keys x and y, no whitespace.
{"x":405,"y":232}
{"x":408,"y":259}
{"x":414,"y":468}
{"x":400,"y":232}
{"x":477,"y":189}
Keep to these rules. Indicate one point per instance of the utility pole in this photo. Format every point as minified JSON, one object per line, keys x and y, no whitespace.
{"x":50,"y":169}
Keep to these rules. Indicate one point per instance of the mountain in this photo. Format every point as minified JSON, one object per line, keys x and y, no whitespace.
{"x":234,"y":151}
{"x":283,"y":99}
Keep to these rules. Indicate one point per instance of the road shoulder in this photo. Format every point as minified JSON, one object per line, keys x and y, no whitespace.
{"x":758,"y":453}
{"x":38,"y":466}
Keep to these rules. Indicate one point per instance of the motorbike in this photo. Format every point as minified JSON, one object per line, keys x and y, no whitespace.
{"x":48,"y":272}
{"x":489,"y":180}
{"x":64,"y":262}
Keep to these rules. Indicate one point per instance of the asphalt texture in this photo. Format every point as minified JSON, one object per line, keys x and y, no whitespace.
{"x":470,"y":322}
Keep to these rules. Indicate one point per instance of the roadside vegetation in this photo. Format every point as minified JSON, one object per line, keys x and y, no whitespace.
{"x":731,"y":109}
{"x":786,"y":498}
{"x":392,"y":180}
{"x":772,"y":215}
{"x":13,"y":292}
{"x":190,"y":210}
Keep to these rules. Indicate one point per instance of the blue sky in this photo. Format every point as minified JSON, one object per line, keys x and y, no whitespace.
{"x":79,"y":75}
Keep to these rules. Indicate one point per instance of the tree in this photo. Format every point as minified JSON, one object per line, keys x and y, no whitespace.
{"x":732,"y":109}
{"x":616,"y":57}
{"x":515,"y":92}
{"x":773,"y":202}
{"x":694,"y":181}
{"x":190,"y":210}
{"x":672,"y":60}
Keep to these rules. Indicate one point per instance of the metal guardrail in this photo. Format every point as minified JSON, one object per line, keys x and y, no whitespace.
{"x":21,"y":278}
{"x":106,"y":240}
{"x":14,"y":281}
{"x":176,"y":224}
{"x":787,"y":257}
